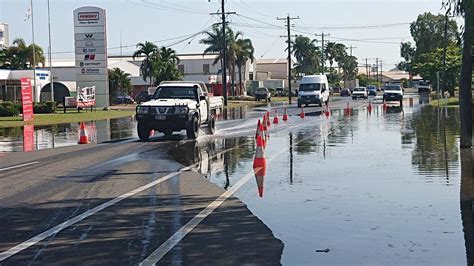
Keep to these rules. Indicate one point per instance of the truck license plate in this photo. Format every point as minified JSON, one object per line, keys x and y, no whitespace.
{"x":160,"y":117}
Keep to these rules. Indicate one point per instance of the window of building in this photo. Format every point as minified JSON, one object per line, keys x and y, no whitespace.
{"x":181,"y":69}
{"x":206,"y":69}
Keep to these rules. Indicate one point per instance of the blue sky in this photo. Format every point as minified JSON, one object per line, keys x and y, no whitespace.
{"x":375,"y":27}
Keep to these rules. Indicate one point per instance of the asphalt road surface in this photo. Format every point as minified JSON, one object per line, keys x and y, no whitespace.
{"x":129,"y":202}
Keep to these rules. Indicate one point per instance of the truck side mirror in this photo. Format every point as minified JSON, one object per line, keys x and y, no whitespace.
{"x":202,"y":98}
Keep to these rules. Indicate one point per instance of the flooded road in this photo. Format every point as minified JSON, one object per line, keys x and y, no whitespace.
{"x":361,"y":188}
{"x":354,"y":186}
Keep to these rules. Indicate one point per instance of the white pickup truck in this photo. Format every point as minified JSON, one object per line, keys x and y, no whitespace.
{"x":176,"y":106}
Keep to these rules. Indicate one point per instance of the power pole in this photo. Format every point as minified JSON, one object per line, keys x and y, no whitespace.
{"x":51,"y":79}
{"x":224,"y":50}
{"x":350,"y":49}
{"x":381,"y":70}
{"x":322,"y":49}
{"x":288,"y":27}
{"x":445,"y":44}
{"x":34,"y":52}
{"x":367,"y":67}
{"x":465,"y":88}
{"x":377,"y":69}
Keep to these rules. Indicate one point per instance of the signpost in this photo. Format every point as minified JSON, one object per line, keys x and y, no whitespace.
{"x":90,"y":38}
{"x":27,"y":99}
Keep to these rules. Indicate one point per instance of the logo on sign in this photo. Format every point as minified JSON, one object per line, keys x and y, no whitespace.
{"x":88,"y":16}
{"x":89,"y":43}
{"x":89,"y":50}
{"x":89,"y":57}
{"x":89,"y":35}
{"x":161,"y":110}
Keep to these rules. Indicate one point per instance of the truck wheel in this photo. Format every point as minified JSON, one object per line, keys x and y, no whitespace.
{"x":327,"y":102}
{"x":299,"y":105}
{"x":143,"y":131}
{"x":192,"y":131}
{"x":211,"y":124}
{"x":321,"y":103}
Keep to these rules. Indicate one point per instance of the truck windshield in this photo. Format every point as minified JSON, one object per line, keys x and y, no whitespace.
{"x":178,"y":92}
{"x":310,"y":87}
{"x":391,"y":88}
{"x":359,"y":89}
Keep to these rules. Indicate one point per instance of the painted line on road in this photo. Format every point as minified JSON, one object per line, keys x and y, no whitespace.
{"x":34,"y":240}
{"x":40,"y":237}
{"x":171,"y":242}
{"x":17,"y":166}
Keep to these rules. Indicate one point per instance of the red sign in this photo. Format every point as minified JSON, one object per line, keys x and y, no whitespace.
{"x":27,"y":99}
{"x":28,"y":138}
{"x":88,"y":16}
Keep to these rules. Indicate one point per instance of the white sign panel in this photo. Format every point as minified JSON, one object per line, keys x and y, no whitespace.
{"x":90,"y":39}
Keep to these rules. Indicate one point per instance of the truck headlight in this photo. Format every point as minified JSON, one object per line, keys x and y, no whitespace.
{"x":181,"y":110}
{"x":142,"y":110}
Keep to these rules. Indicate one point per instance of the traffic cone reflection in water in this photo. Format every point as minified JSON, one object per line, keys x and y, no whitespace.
{"x":260,"y":173}
{"x":275,"y":119}
{"x":302,"y":112}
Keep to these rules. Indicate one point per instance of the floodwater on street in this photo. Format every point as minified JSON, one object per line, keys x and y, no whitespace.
{"x":379,"y":187}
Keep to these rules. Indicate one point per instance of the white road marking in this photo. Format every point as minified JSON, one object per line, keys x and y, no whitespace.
{"x":171,"y":242}
{"x":17,"y":166}
{"x":34,"y":240}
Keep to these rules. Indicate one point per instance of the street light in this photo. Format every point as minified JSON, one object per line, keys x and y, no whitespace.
{"x":51,"y":79}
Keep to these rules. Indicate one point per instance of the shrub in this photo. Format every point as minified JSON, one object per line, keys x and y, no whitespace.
{"x":9,"y":109}
{"x":44,"y":108}
{"x":241,"y":98}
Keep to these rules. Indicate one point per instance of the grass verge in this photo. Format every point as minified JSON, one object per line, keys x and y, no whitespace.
{"x":69,"y":117}
{"x":450,"y":102}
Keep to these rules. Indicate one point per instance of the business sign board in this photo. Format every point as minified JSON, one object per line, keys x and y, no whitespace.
{"x":86,"y":97}
{"x":27,"y":99}
{"x":90,"y":39}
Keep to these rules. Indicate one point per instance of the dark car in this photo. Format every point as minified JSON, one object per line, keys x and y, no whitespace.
{"x":121,"y":98}
{"x":263,"y":94}
{"x":143,"y":96}
{"x":346,"y":92}
{"x":280,"y":92}
{"x":372,"y":90}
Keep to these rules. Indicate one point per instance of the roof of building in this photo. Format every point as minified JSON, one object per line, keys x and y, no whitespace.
{"x":272,"y":61}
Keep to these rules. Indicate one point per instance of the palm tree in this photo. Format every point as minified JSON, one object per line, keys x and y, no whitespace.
{"x":165,"y":66}
{"x":20,"y":55}
{"x":244,"y":52}
{"x":150,"y":51}
{"x":335,"y":52}
{"x":215,"y":44}
{"x":349,"y":68}
{"x":307,"y":54}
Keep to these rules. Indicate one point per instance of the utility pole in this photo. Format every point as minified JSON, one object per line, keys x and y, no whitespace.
{"x":350,"y":49}
{"x":367,"y":67}
{"x":322,"y":50}
{"x":224,"y":50}
{"x":377,"y":69}
{"x":445,"y":44}
{"x":381,"y":70}
{"x":51,"y":79}
{"x":34,"y":52}
{"x":288,"y":27}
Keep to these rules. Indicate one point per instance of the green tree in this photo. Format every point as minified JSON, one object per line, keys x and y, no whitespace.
{"x":349,"y":67}
{"x":165,"y":66}
{"x":148,"y":50}
{"x":119,"y":81}
{"x":307,"y":54}
{"x":428,"y":32}
{"x":335,"y":52}
{"x":244,"y":51}
{"x":21,"y":56}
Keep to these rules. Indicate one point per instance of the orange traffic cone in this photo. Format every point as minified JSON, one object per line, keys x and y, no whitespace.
{"x":258,"y":129}
{"x":268,"y":119}
{"x":264,"y":123}
{"x":83,"y":138}
{"x":275,"y":119}
{"x":285,"y":116}
{"x":152,"y":133}
{"x":260,"y":173}
{"x":302,"y":115}
{"x":259,"y":160}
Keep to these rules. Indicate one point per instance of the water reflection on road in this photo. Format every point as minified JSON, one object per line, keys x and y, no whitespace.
{"x":379,"y":187}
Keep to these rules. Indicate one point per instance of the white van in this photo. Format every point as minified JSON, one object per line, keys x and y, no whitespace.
{"x":313,"y":89}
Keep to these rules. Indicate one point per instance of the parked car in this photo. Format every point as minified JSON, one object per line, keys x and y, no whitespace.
{"x":424,"y":87}
{"x":121,"y":98}
{"x":280,"y":91}
{"x":360,"y":92}
{"x":263,"y":94}
{"x":372,"y":90}
{"x":346,"y":92}
{"x":143,"y":96}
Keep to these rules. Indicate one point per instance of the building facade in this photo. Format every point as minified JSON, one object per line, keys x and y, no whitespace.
{"x":4,"y":35}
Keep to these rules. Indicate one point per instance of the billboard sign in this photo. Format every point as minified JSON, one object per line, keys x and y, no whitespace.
{"x":27,"y":99}
{"x":86,"y":97}
{"x":90,"y":39}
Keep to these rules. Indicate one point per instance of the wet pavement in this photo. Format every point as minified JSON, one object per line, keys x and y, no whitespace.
{"x":358,"y":186}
